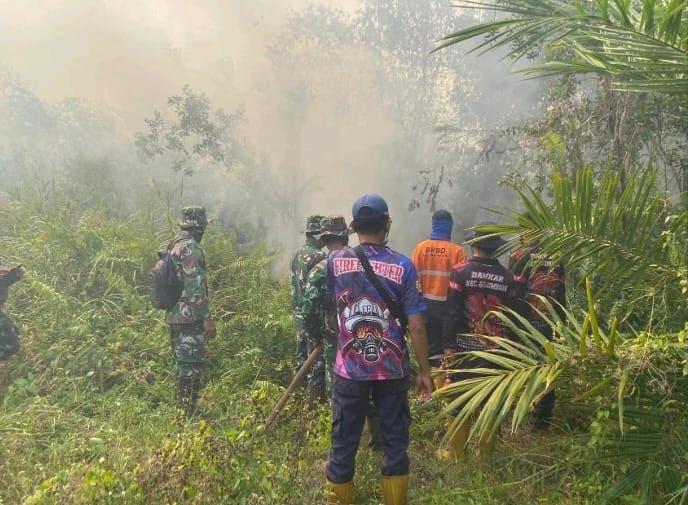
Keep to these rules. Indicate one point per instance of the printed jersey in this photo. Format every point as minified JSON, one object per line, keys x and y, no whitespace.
{"x":302,"y":263}
{"x":434,"y":260}
{"x":539,"y":276}
{"x":371,"y":344}
{"x":193,"y":305}
{"x":476,"y":287}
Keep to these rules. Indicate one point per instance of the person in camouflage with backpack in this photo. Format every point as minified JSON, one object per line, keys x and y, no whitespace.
{"x":319,"y":310}
{"x":9,"y":334}
{"x":189,"y":319}
{"x":302,"y":263}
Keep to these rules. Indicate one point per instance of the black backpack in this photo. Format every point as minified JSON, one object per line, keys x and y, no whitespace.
{"x":163,"y":282}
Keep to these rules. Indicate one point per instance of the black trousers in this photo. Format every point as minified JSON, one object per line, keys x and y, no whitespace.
{"x":434,"y":319}
{"x":544,"y":410}
{"x":349,"y":410}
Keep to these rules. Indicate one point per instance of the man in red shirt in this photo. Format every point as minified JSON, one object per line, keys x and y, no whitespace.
{"x":541,"y":277}
{"x":434,"y":259}
{"x":477,"y":287}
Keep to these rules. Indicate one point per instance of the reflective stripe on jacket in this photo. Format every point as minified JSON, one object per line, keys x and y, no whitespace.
{"x":434,"y":260}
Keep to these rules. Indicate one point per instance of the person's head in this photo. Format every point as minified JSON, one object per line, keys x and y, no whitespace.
{"x":194,"y":221}
{"x":371,"y":218}
{"x":334,"y":232}
{"x":442,"y":224}
{"x":484,"y":243}
{"x":313,"y":228}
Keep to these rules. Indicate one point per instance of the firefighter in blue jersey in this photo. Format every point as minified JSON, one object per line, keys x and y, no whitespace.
{"x":372,"y":354}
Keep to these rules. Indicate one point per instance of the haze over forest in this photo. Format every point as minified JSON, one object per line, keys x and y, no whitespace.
{"x":329,"y":100}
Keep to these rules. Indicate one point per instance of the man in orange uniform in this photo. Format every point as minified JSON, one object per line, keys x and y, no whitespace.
{"x":434,"y":259}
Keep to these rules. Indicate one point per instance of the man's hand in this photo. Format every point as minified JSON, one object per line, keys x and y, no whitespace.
{"x":209,"y":328}
{"x":419,"y":340}
{"x":424,"y":386}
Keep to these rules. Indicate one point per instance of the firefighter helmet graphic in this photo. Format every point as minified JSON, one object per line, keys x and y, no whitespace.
{"x":367,"y":322}
{"x":365,"y":310}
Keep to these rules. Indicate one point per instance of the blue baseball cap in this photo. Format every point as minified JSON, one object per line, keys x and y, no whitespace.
{"x":369,"y":206}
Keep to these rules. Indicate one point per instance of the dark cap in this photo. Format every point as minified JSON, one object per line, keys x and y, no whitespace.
{"x":442,"y":215}
{"x":491,"y":242}
{"x":369,"y":206}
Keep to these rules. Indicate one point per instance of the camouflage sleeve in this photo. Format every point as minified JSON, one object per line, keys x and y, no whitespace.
{"x":194,"y":279}
{"x":313,"y":299}
{"x":293,"y":281}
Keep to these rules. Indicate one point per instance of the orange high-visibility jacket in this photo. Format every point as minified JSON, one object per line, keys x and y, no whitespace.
{"x":434,"y":260}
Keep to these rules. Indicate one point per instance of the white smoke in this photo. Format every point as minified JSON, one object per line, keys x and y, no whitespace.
{"x":328,"y":116}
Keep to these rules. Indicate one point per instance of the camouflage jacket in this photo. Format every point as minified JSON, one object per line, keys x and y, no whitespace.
{"x":193,"y":305}
{"x":302,"y":263}
{"x":319,"y":309}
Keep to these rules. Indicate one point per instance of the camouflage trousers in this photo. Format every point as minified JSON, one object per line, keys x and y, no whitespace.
{"x":188,"y":348}
{"x":9,"y":337}
{"x":329,"y":354}
{"x":316,"y":376}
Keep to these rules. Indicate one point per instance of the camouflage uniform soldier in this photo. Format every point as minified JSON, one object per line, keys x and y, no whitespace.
{"x":302,"y":263}
{"x":189,"y":320}
{"x":9,"y":334}
{"x":319,"y":309}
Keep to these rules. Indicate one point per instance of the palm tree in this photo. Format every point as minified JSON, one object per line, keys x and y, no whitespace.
{"x":630,"y":244}
{"x":623,"y":237}
{"x":640,"y":45}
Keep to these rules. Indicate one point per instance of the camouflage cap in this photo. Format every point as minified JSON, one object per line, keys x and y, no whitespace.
{"x":313,"y":224}
{"x":193,"y":217}
{"x":333,"y":225}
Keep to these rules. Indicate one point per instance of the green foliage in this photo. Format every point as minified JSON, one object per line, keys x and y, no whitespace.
{"x":642,"y":46}
{"x":629,"y":240}
{"x":196,"y":134}
{"x":630,"y":370}
{"x":87,"y":410}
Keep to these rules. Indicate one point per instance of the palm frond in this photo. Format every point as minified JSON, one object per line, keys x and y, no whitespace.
{"x":521,"y":371}
{"x":640,"y":49}
{"x":618,"y":235}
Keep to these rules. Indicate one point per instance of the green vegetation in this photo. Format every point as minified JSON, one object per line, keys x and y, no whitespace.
{"x":87,"y":413}
{"x":641,"y":45}
{"x":622,"y":237}
{"x":86,"y":409}
{"x":623,"y":344}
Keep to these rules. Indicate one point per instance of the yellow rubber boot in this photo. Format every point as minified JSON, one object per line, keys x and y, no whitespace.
{"x":438,"y":377}
{"x":394,"y":489}
{"x":486,"y":447}
{"x":340,"y":494}
{"x":454,"y":449}
{"x":458,"y":440}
